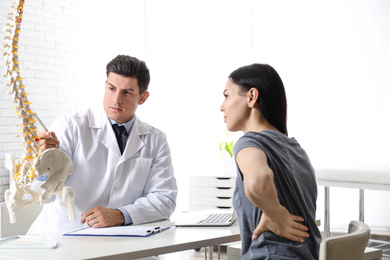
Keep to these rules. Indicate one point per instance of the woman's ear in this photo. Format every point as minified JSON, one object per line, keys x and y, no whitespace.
{"x":253,"y":95}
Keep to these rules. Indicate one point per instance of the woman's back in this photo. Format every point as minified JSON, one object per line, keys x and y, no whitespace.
{"x":297,"y":191}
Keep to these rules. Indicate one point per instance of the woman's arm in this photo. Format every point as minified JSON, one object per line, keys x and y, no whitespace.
{"x":261,"y":191}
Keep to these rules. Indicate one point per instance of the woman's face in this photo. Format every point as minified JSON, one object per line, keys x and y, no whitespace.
{"x":235,"y":107}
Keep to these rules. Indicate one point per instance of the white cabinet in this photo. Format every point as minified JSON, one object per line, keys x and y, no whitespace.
{"x":207,"y":192}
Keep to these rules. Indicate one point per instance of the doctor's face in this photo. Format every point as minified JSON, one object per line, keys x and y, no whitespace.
{"x":122,"y":97}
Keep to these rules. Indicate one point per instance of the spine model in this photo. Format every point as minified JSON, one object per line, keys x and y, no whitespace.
{"x":23,"y":171}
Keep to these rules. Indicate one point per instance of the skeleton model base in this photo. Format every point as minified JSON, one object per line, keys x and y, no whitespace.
{"x":57,"y":166}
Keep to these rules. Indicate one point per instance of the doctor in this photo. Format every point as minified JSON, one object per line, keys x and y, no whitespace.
{"x":120,"y":180}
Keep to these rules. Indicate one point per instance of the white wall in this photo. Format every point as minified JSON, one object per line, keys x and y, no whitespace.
{"x":46,"y":51}
{"x":333,"y":57}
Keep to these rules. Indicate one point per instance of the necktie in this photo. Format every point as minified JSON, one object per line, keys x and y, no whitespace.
{"x":121,"y":136}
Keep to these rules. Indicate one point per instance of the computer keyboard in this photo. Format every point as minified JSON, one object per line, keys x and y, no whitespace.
{"x":217,"y":218}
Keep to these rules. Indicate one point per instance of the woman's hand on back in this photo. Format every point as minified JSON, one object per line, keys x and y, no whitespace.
{"x":283,"y":224}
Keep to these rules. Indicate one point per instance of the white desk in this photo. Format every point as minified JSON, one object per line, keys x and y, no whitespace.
{"x":367,"y":177}
{"x":172,"y":240}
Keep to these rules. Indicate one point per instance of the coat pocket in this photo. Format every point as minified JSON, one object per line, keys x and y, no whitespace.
{"x":139,"y":172}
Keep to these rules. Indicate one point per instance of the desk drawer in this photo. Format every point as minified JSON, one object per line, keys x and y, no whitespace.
{"x":207,"y":192}
{"x":211,"y":191}
{"x":212,"y":201}
{"x":210,"y":181}
{"x":199,"y":207}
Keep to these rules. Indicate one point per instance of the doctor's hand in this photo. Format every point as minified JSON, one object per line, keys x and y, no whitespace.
{"x":99,"y":217}
{"x":283,"y":224}
{"x":48,"y":140}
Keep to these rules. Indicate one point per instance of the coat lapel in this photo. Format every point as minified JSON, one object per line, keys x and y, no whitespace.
{"x":107,"y":137}
{"x":105,"y":133}
{"x":134,"y":142}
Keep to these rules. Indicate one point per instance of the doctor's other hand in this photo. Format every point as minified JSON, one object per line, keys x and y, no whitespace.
{"x":99,"y":217}
{"x":283,"y":224}
{"x":48,"y":140}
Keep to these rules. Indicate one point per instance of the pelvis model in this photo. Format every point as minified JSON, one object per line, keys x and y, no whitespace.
{"x":32,"y":162}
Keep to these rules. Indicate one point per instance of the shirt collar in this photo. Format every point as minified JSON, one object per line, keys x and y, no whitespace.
{"x":127,"y":124}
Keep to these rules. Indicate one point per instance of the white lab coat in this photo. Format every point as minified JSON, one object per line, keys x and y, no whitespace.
{"x":140,"y":181}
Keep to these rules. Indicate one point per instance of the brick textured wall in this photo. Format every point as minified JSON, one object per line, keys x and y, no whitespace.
{"x":48,"y":62}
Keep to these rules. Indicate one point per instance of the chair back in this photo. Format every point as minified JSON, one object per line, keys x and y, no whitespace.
{"x":346,"y":247}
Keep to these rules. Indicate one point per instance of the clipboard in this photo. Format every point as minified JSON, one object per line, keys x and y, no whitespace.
{"x":118,"y":231}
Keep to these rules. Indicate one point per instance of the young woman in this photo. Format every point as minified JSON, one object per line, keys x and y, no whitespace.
{"x":276,"y":191}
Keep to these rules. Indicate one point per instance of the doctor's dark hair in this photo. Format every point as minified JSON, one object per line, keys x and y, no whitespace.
{"x":128,"y":66}
{"x":272,"y":100}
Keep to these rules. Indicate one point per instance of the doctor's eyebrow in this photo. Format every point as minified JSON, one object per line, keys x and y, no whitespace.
{"x":129,"y":89}
{"x":108,"y":83}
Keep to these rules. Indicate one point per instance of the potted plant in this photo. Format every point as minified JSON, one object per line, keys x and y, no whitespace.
{"x":227,"y":164}
{"x":226,"y":146}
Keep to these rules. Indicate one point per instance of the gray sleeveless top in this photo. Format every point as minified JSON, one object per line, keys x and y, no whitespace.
{"x":297,"y":191}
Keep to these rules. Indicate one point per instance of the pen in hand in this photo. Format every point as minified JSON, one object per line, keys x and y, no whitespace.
{"x":41,"y":124}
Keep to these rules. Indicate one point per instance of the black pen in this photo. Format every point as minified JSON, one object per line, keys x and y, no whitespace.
{"x":155,"y":230}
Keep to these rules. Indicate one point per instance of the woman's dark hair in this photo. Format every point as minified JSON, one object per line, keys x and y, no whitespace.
{"x":128,"y":66}
{"x":272,"y":100}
